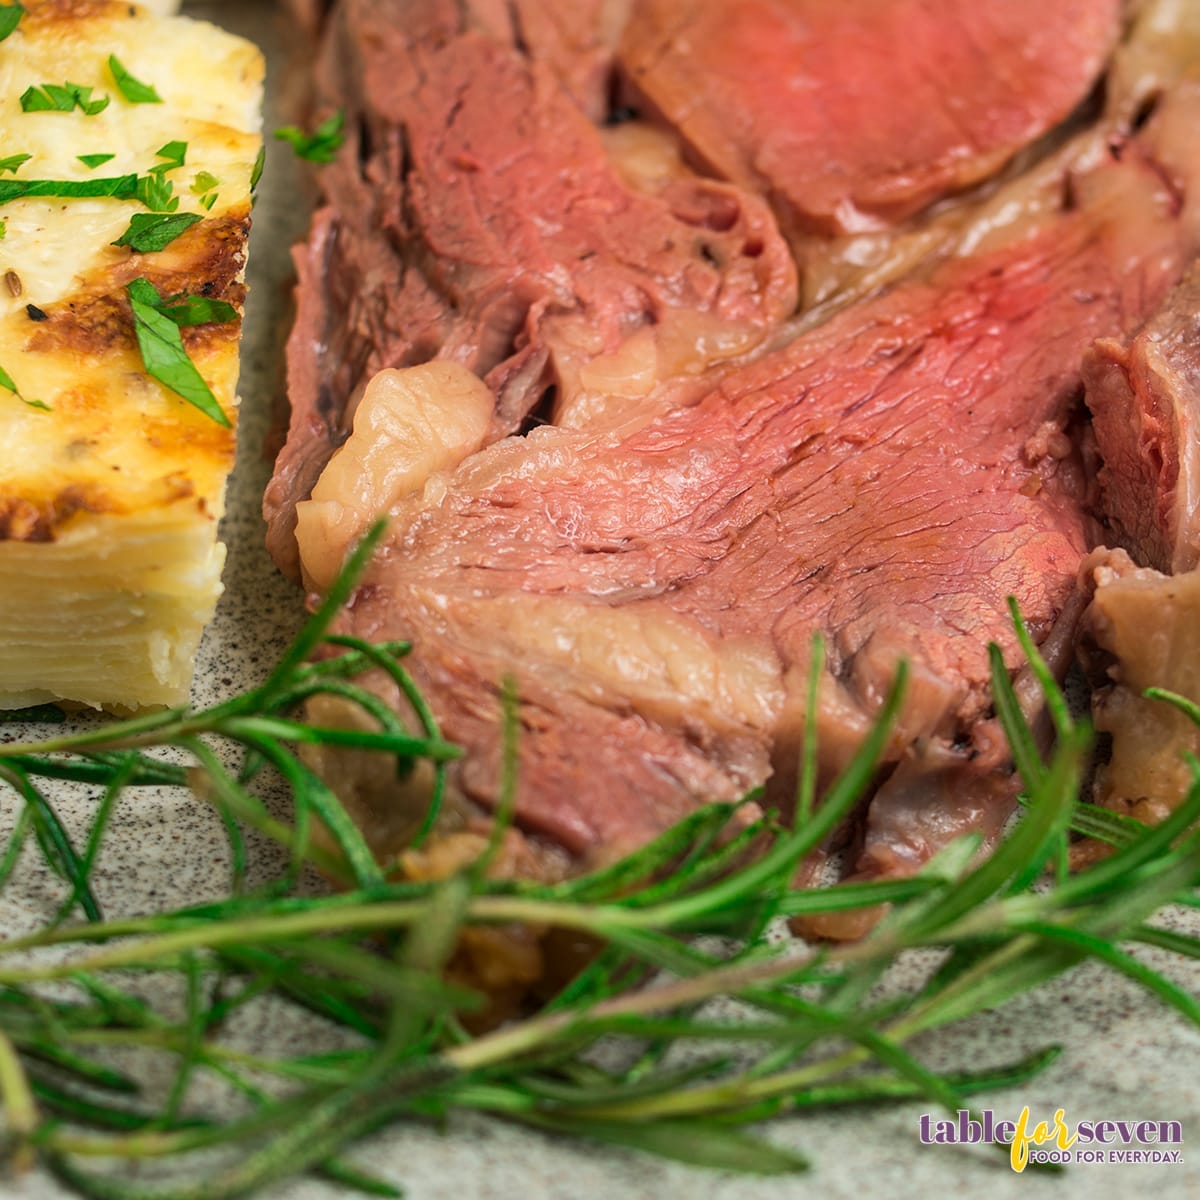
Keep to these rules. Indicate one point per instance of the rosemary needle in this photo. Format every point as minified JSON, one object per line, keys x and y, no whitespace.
{"x":368,"y":962}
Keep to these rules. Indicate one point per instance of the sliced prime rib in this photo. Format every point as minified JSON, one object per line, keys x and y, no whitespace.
{"x":886,"y":480}
{"x":1160,"y":45}
{"x":456,"y":233}
{"x":849,"y":116}
{"x":453,"y":232}
{"x":577,"y":41}
{"x":1140,"y":627}
{"x":1144,"y":396}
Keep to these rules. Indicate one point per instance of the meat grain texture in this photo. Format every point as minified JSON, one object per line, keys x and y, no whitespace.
{"x":642,"y":479}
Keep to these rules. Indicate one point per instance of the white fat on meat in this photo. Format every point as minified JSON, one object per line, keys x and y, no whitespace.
{"x":654,"y":369}
{"x":410,"y":424}
{"x":663,"y":664}
{"x":1144,"y":626}
{"x":606,"y":385}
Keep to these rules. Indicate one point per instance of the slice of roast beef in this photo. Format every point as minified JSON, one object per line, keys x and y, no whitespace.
{"x":368,"y":42}
{"x":1160,"y":46}
{"x":1144,"y":396}
{"x":886,"y":480}
{"x":1140,"y":628}
{"x":578,"y":41}
{"x":456,"y":232}
{"x":849,"y":116}
{"x":452,"y":232}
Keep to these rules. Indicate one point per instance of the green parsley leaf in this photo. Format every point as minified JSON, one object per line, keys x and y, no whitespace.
{"x":322,"y":144}
{"x":199,"y":310}
{"x":10,"y":18}
{"x":203,"y":186}
{"x":3,"y":230}
{"x":134,"y":90}
{"x":95,"y":160}
{"x":33,"y":100}
{"x":120,"y":187}
{"x":174,"y":152}
{"x":156,"y":192}
{"x":148,"y":232}
{"x":163,"y":353}
{"x":14,"y":162}
{"x":257,"y":170}
{"x":52,"y":97}
{"x":144,"y":292}
{"x":183,"y":309}
{"x":6,"y":382}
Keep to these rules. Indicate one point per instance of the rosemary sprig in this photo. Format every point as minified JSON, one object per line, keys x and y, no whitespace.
{"x":368,"y":962}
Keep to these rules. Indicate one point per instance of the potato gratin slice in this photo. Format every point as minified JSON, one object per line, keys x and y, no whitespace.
{"x":118,"y":362}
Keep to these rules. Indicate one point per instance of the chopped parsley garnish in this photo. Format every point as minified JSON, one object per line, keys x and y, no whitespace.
{"x":163,"y":353}
{"x":133,"y":89}
{"x":6,"y":382}
{"x":203,"y":186}
{"x":322,"y":144}
{"x":10,"y":18}
{"x":52,"y":97}
{"x":154,"y":189}
{"x":175,"y":153}
{"x":148,"y":232}
{"x":257,"y":170}
{"x":14,"y":162}
{"x":185,"y":310}
{"x":120,"y":187}
{"x":3,"y":230}
{"x":199,"y":310}
{"x":156,"y":192}
{"x":92,"y":161}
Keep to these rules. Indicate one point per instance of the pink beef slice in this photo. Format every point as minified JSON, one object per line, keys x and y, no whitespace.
{"x":475,"y":217}
{"x":886,"y":480}
{"x":576,"y":41}
{"x":852,"y":115}
{"x":1144,"y":396}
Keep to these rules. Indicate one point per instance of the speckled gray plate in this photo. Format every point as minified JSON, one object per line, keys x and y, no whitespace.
{"x":1124,"y":1057}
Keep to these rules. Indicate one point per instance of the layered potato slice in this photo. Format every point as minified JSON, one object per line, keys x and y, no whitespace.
{"x":111,"y":482}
